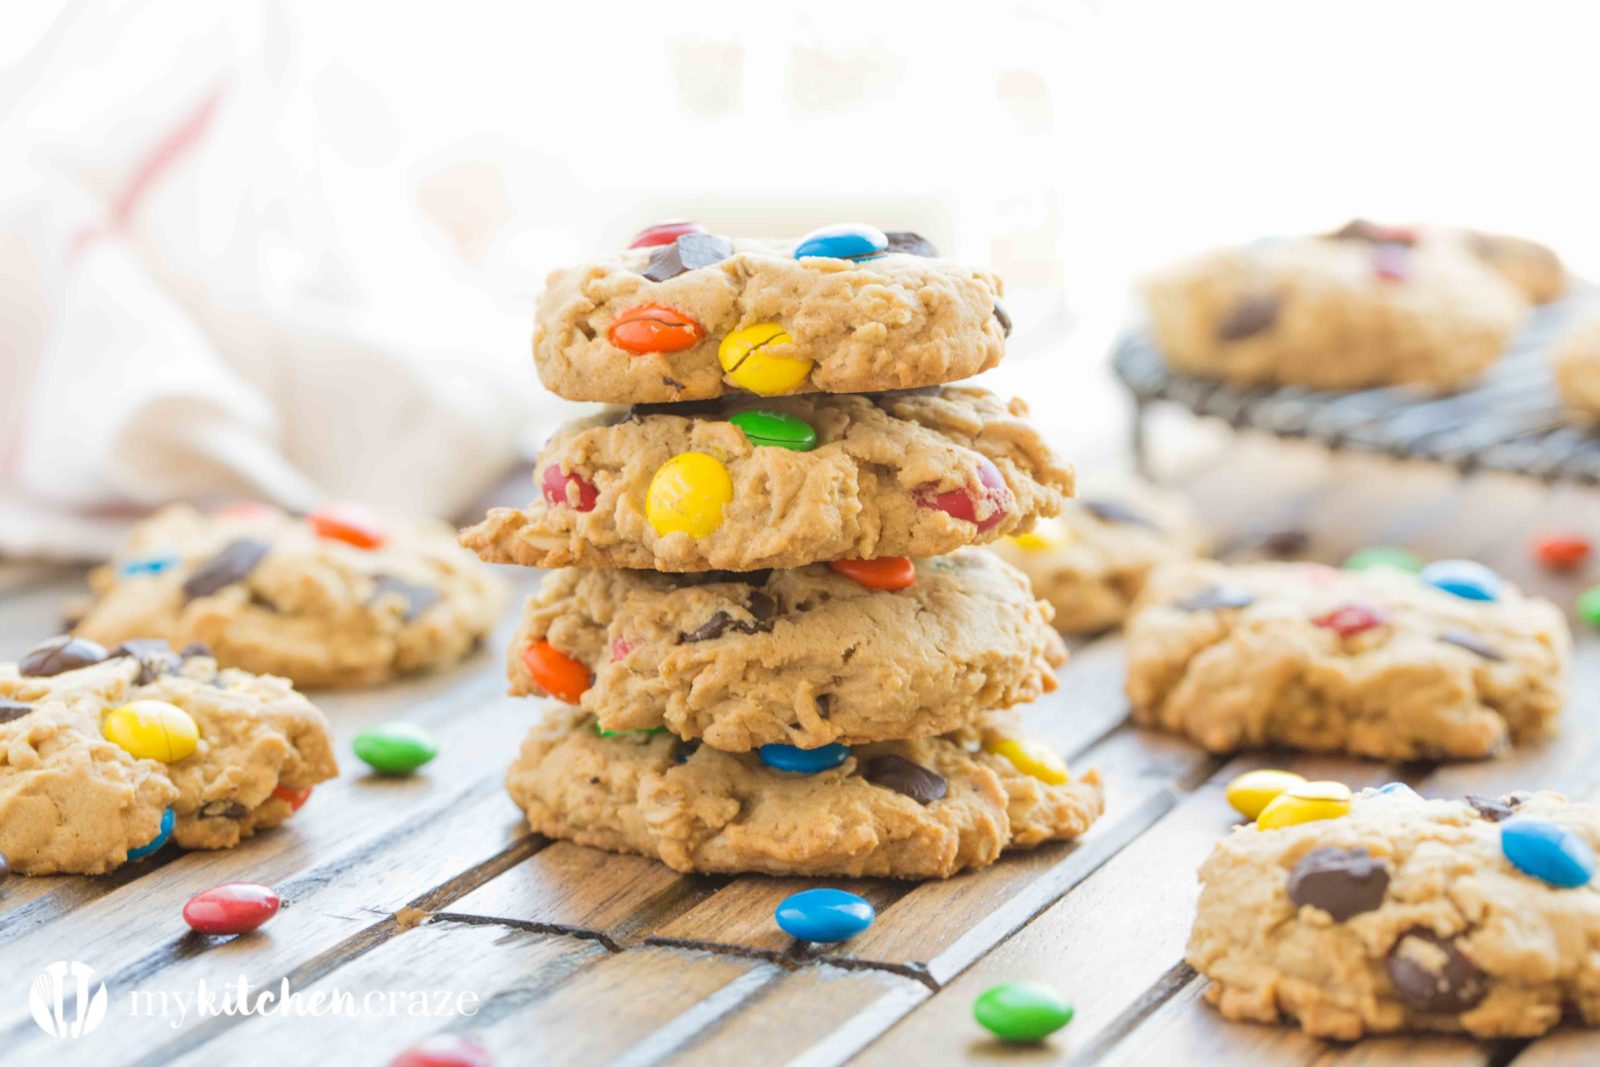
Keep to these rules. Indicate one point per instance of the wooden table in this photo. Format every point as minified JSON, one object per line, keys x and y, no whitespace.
{"x":579,"y":957}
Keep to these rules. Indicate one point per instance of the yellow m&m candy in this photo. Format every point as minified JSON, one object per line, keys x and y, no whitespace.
{"x":152,"y":729}
{"x":1252,"y":791}
{"x":1307,"y":802}
{"x":687,"y":495}
{"x":1031,"y":758}
{"x":1036,"y":541}
{"x":753,"y":359}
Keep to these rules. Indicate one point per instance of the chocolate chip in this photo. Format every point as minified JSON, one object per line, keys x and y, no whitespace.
{"x":1470,"y":642}
{"x":1431,"y":975}
{"x":1495,"y":810}
{"x":722,"y":623}
{"x":1342,"y":882}
{"x":682,"y":750}
{"x":1285,"y":544}
{"x":58,"y":655}
{"x":761,"y":605}
{"x":753,"y":578}
{"x":196,"y":648}
{"x":911,"y":244}
{"x":689,"y":252}
{"x":824,"y":706}
{"x":12,"y":710}
{"x":1005,"y":319}
{"x":1250,"y":316}
{"x":712,"y":408}
{"x":155,"y":657}
{"x":1216,"y":597}
{"x":905,"y":777}
{"x":232,"y":564}
{"x":1111,"y":511}
{"x":418,"y":598}
{"x":223,"y":809}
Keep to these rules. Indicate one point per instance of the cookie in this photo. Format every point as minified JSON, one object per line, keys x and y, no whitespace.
{"x":1533,"y":269}
{"x":1091,"y":561}
{"x":1335,"y":312}
{"x":104,"y":755}
{"x":1405,"y":914}
{"x":706,"y":316}
{"x":743,"y":483}
{"x":804,"y":657}
{"x":1575,"y":360}
{"x":926,"y":808}
{"x":330,"y":600}
{"x":1375,"y":663}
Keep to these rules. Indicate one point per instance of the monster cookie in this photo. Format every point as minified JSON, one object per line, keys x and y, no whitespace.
{"x":925,"y":808}
{"x":807,"y":657}
{"x":1532,"y":269}
{"x":1452,"y":663}
{"x":1473,"y":915}
{"x":847,"y":309}
{"x":107,"y":755}
{"x":1335,"y":313}
{"x":745,"y":483}
{"x":1576,"y":362}
{"x":333,"y":599}
{"x":1091,"y":561}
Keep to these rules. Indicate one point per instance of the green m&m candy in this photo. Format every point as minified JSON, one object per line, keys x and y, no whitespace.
{"x":649,"y":731}
{"x":1022,"y":1011}
{"x":1366,"y":559}
{"x":395,"y":748}
{"x":774,"y":429}
{"x":1589,"y":606}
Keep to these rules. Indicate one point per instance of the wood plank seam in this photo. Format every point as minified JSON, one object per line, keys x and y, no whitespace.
{"x":704,"y":1015}
{"x":531,"y":926}
{"x":1176,"y":978}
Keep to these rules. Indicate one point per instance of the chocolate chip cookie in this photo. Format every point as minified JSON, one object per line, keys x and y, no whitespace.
{"x":1091,"y":561}
{"x":1355,"y":309}
{"x":804,"y":657}
{"x":1575,"y":360}
{"x":1375,"y":663}
{"x":746,"y":483}
{"x":925,"y":808}
{"x":703,"y":315}
{"x":332,"y":599}
{"x":1406,"y":914}
{"x":105,"y":755}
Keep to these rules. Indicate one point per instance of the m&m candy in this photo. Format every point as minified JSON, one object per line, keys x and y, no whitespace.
{"x":232,"y":908}
{"x":295,"y":798}
{"x":395,"y":748}
{"x":349,"y":524}
{"x":888,"y":573}
{"x":757,"y":358}
{"x":1031,"y":758}
{"x":1547,"y":851}
{"x":444,"y":1050}
{"x":803,"y":760}
{"x":1252,"y":791}
{"x":654,"y":328}
{"x":1589,"y":606}
{"x":146,"y":565}
{"x":1463,"y":578}
{"x":961,"y":504}
{"x":1378,"y":556}
{"x":664,"y":233}
{"x":824,"y":915}
{"x":1306,"y":802}
{"x":163,"y":835}
{"x":1561,"y":551}
{"x":152,"y":729}
{"x":774,"y":429}
{"x":843,"y":240}
{"x":556,"y":672}
{"x":1351,"y":619}
{"x":567,"y":489}
{"x":1021,"y":1011}
{"x":687,"y":495}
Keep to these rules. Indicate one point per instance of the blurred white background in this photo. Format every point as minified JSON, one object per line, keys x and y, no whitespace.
{"x":291,"y":249}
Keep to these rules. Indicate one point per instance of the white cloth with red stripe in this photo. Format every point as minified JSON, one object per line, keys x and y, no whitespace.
{"x":188,"y":310}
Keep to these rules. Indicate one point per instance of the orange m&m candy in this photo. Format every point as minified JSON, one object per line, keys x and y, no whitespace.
{"x":886,"y":572}
{"x":350,"y":525}
{"x":652,"y":328}
{"x":556,"y":672}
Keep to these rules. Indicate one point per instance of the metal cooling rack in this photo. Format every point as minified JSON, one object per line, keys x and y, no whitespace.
{"x":1510,"y":421}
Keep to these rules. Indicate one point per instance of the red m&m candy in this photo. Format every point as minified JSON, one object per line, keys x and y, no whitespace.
{"x":295,"y":798}
{"x":444,"y":1050}
{"x":664,"y":233}
{"x":1561,"y":550}
{"x":234,"y":908}
{"x":1351,"y":619}
{"x":960,"y":503}
{"x":571,"y":489}
{"x":351,"y":525}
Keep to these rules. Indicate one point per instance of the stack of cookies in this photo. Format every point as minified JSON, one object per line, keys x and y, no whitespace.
{"x":776,"y":651}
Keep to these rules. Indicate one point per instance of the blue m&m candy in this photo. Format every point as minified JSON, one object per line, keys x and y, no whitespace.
{"x":1464,"y":578}
{"x":803,"y":760}
{"x":824,"y":915}
{"x":843,"y":240}
{"x":1548,"y":851}
{"x":1398,"y":787}
{"x":130,"y":568}
{"x":163,"y":835}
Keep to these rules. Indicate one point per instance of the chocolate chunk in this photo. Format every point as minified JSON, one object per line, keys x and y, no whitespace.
{"x":911,"y":244}
{"x":12,"y":710}
{"x":721,"y":623}
{"x":753,"y":578}
{"x":418,"y":598}
{"x":682,"y":750}
{"x":1431,"y":975}
{"x":1342,"y":882}
{"x":1216,"y":597}
{"x":713,"y":408}
{"x":1005,"y":319}
{"x":1495,"y":810}
{"x":1285,"y":544}
{"x":689,"y":252}
{"x":223,"y":809}
{"x":232,"y":564}
{"x":905,"y":777}
{"x":1470,"y":642}
{"x":761,"y":605}
{"x":196,"y":648}
{"x":155,"y":657}
{"x":58,"y":655}
{"x":1250,"y":316}
{"x":1111,"y":511}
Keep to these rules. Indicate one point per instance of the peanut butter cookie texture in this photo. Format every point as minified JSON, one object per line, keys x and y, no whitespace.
{"x":1473,"y":915}
{"x":1576,"y":361}
{"x":106,"y":755}
{"x":1365,"y":306}
{"x":332,"y":599}
{"x":807,"y":670}
{"x":1453,"y":663}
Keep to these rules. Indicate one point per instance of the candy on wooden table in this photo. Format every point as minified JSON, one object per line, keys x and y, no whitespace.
{"x":231,"y":908}
{"x":886,"y":573}
{"x":1252,"y":791}
{"x":1031,"y":758}
{"x":687,"y":495}
{"x":1021,"y":1011}
{"x":1589,"y":606}
{"x":556,"y":672}
{"x":1547,"y":851}
{"x":750,"y":359}
{"x":775,"y":429}
{"x":824,"y":915}
{"x":1561,"y":550}
{"x":152,"y":729}
{"x":395,"y":748}
{"x":444,"y":1050}
{"x":803,"y":760}
{"x":1306,"y":802}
